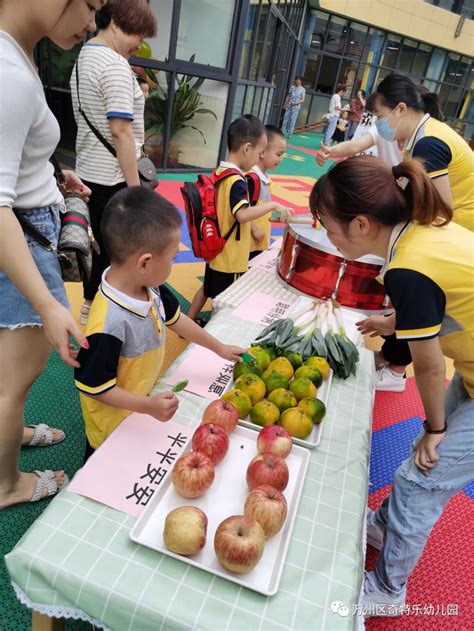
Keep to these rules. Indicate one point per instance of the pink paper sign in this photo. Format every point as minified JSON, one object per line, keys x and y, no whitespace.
{"x":266,"y":261}
{"x":262,"y":308}
{"x":207,"y":374}
{"x":131,"y":464}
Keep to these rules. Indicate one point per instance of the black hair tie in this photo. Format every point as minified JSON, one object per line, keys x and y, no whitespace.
{"x":395,"y":171}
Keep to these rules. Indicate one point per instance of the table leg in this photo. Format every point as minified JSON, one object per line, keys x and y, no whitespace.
{"x":41,"y":622}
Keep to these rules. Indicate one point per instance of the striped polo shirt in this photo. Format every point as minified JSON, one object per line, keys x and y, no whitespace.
{"x":126,"y":349}
{"x":108,"y":89}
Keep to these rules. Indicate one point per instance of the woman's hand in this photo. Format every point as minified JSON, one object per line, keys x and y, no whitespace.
{"x":426,"y":456}
{"x":257,"y":234}
{"x":377,"y":325}
{"x":59,"y":325}
{"x":75,"y":185}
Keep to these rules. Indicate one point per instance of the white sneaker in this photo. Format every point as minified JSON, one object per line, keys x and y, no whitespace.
{"x":377,"y":603}
{"x":374,"y":531}
{"x":390,"y":381}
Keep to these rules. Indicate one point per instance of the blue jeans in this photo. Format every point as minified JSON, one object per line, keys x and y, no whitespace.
{"x":330,"y":129}
{"x":416,"y":502}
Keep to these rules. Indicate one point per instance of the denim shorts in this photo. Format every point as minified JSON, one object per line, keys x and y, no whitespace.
{"x":15,"y":310}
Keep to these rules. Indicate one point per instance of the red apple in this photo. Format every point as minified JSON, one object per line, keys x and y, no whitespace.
{"x":193,"y":474}
{"x":267,"y":468}
{"x":212,"y":440}
{"x":221,"y":413}
{"x":268,"y":506}
{"x":185,"y":530}
{"x":239,"y":542}
{"x":274,"y":439}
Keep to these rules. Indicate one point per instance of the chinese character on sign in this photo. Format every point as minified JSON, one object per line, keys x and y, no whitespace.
{"x":179,"y":440}
{"x":214,"y":387}
{"x":139,"y":493}
{"x":154,"y":474}
{"x":167,"y":457}
{"x":452,"y":609}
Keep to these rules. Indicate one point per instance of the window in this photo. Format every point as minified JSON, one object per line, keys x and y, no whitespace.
{"x":355,"y":39}
{"x":327,"y":74}
{"x":316,"y":34}
{"x":373,"y":46}
{"x":160,"y":44}
{"x":238,"y":102}
{"x":310,"y":72}
{"x":452,"y":106}
{"x":198,"y":28}
{"x":391,"y":51}
{"x":451,"y":74}
{"x":195,"y":142}
{"x":348,"y":76}
{"x":337,"y":34}
{"x":422,"y":59}
{"x":156,"y":108}
{"x":407,"y":55}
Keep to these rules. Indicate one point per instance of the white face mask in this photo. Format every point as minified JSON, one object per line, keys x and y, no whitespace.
{"x":385,"y":131}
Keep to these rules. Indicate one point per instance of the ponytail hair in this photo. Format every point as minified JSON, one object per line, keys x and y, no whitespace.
{"x":431,"y":105}
{"x":365,"y":185}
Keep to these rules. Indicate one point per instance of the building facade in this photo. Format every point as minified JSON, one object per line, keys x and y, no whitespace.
{"x":215,"y":59}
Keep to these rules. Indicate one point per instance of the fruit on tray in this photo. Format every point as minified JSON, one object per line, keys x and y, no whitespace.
{"x":295,"y":359}
{"x":283,"y":365}
{"x":246,"y":368}
{"x":275,"y":440}
{"x":185,"y":530}
{"x":262,"y":356}
{"x":303,"y":387}
{"x":274,"y":380}
{"x":283,"y":399}
{"x":268,"y":506}
{"x":264,"y":413}
{"x":193,"y":474}
{"x":239,"y":543}
{"x":267,"y":468}
{"x":296,"y":422}
{"x":314,"y":408}
{"x":320,"y":364}
{"x":212,"y":440}
{"x":240,"y":400}
{"x":221,"y":413}
{"x":251,"y":385}
{"x":310,"y":372}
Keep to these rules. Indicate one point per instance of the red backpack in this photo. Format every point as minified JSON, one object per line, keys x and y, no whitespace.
{"x":254,"y":185}
{"x":201,"y":217}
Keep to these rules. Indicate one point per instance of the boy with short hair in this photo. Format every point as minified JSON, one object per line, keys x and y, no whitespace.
{"x":246,"y":139}
{"x":269,"y":159}
{"x":126,"y":326}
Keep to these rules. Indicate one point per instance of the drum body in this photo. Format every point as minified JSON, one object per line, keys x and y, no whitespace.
{"x":311,"y":264}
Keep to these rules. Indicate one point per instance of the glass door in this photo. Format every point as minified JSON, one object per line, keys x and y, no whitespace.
{"x":280,"y":69}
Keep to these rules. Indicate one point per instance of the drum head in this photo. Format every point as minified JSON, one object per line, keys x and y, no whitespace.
{"x":318,"y":239}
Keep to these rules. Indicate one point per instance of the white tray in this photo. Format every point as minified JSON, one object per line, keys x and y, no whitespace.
{"x":314,"y":438}
{"x":226,"y":497}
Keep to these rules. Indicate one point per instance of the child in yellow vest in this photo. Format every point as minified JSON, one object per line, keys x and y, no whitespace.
{"x":126,"y":325}
{"x":259,"y":182}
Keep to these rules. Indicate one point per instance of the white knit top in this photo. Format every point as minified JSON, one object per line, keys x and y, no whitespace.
{"x":29,"y":132}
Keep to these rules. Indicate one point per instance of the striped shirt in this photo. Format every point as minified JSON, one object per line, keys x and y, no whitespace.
{"x":108,"y":89}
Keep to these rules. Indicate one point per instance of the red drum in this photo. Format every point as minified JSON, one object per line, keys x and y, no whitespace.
{"x":311,"y":264}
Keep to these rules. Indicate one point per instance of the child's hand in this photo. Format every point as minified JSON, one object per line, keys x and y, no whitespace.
{"x":162,"y":406}
{"x":232,"y":353}
{"x":285,"y":213}
{"x":323,"y":154}
{"x":257,"y":234}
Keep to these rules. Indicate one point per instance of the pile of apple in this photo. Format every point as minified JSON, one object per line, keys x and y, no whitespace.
{"x":239,"y":540}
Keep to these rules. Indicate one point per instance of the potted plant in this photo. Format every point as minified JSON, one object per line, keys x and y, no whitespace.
{"x":186,"y":104}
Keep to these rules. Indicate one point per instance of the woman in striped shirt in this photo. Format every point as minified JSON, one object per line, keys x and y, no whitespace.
{"x":104,"y":84}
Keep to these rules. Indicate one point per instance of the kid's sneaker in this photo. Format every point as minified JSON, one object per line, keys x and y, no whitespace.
{"x":390,"y":381}
{"x":377,"y":603}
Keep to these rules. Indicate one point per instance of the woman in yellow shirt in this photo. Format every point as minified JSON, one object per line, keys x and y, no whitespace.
{"x":429,"y":276}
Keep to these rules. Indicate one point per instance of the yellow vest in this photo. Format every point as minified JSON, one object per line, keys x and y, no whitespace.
{"x":446,"y":256}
